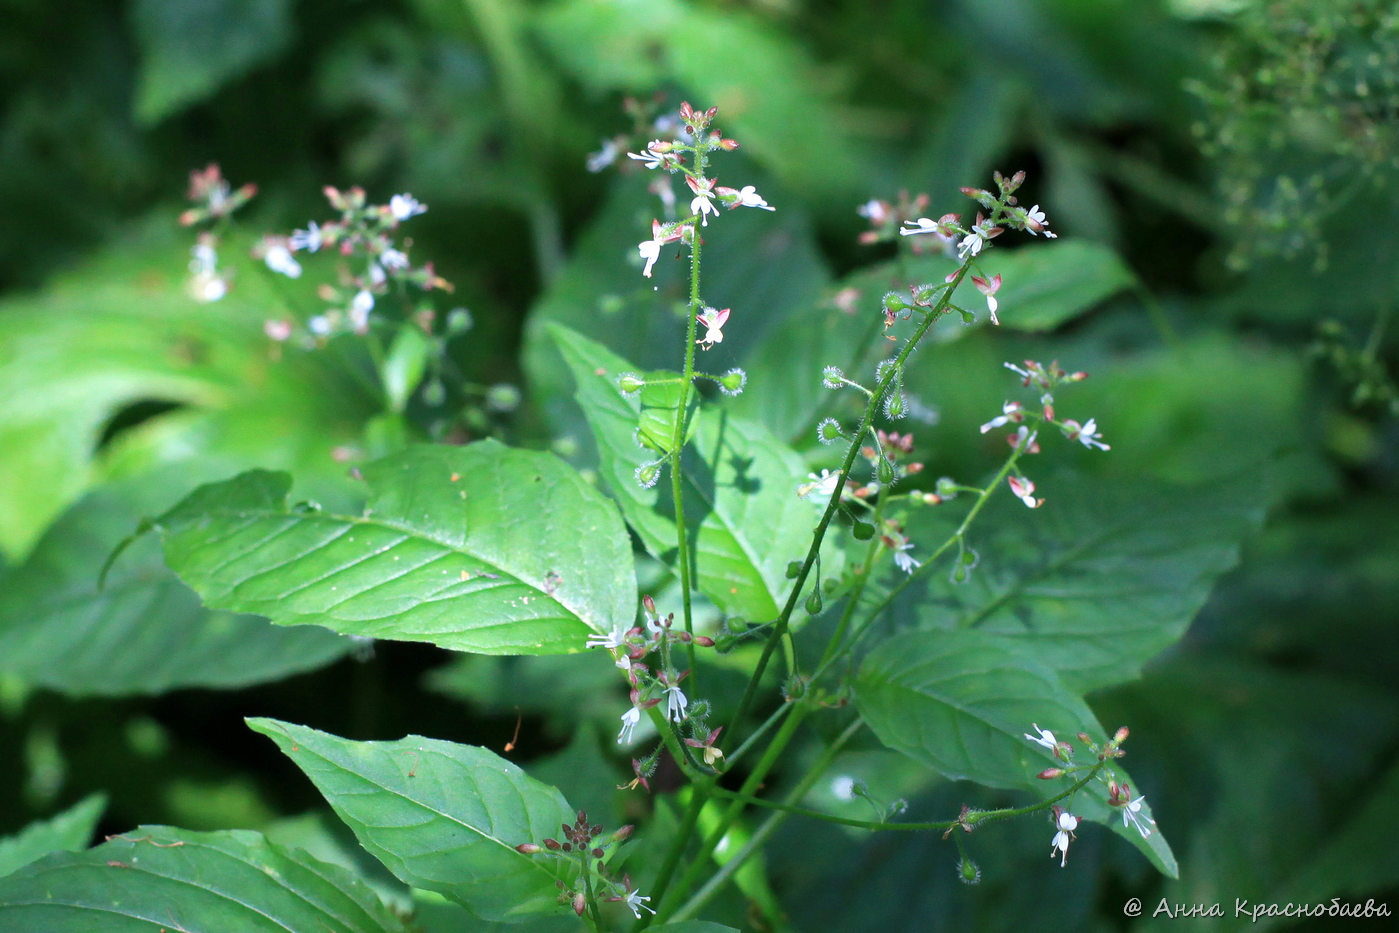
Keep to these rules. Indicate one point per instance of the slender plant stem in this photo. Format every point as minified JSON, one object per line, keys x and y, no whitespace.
{"x":769,"y":826}
{"x":780,"y":629}
{"x":754,"y":781}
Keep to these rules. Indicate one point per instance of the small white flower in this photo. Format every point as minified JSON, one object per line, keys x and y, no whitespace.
{"x":319,"y":325}
{"x":360,"y":306}
{"x":652,"y":159}
{"x":377,"y":275}
{"x":617,"y":638}
{"x":877,"y":211}
{"x":713,"y":322}
{"x":1036,"y":223}
{"x":1066,"y":823}
{"x":904,"y":560}
{"x":843,"y":787}
{"x":393,"y":260}
{"x":1089,"y":436}
{"x":597,"y":161}
{"x":279,"y":259}
{"x":309,"y":239}
{"x":1045,"y":738}
{"x":403,"y":206}
{"x":206,"y":258}
{"x":675,"y":703}
{"x":208,"y":287}
{"x":989,"y":287}
{"x":629,"y":721}
{"x":703,"y":202}
{"x":634,"y":901}
{"x":650,"y":251}
{"x":921,"y":225}
{"x":822,"y":486}
{"x":971,"y":244}
{"x":1132,"y":813}
{"x":1010,"y":411}
{"x":1024,"y":490}
{"x":748,"y":197}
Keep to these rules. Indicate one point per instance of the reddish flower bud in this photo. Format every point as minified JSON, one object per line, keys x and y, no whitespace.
{"x":527,"y":848}
{"x":1050,"y":773}
{"x":580,"y":904}
{"x":1120,"y":735}
{"x":551,"y":844}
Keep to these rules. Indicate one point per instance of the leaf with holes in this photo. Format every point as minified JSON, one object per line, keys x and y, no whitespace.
{"x":440,"y":816}
{"x":160,"y":878}
{"x":480,"y":548}
{"x":962,"y":702}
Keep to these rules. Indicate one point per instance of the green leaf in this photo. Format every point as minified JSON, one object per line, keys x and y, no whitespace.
{"x":189,"y":51}
{"x":404,"y":367}
{"x":160,"y":878}
{"x":660,"y":408}
{"x":69,"y":831}
{"x":961,"y":702}
{"x":441,"y":816}
{"x":769,"y":90}
{"x":1044,"y":285}
{"x":744,"y":517}
{"x":1096,"y":582}
{"x":480,"y":548}
{"x":119,"y":340}
{"x":143,"y":631}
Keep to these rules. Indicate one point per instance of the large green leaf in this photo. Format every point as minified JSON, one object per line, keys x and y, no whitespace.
{"x":118,"y":340}
{"x":69,"y":831}
{"x":188,"y":51}
{"x":480,"y":548}
{"x":1096,"y":582}
{"x":744,"y":519}
{"x":159,"y":878}
{"x":768,"y":88}
{"x":1047,"y":284}
{"x":143,"y":631}
{"x":441,"y":816}
{"x":962,"y":703}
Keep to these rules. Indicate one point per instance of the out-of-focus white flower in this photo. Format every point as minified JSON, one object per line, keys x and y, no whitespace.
{"x":279,"y":259}
{"x":403,"y":206}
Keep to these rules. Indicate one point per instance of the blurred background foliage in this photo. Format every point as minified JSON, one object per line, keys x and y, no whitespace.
{"x":1239,"y":159}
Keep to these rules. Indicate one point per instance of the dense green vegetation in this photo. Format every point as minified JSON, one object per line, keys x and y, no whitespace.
{"x":1222,"y":182}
